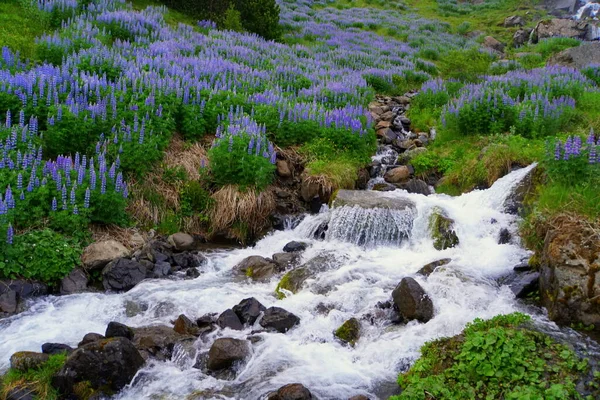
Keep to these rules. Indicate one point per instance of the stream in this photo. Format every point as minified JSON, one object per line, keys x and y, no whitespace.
{"x":360,"y":276}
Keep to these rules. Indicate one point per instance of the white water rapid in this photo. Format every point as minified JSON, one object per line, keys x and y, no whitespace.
{"x":588,"y":9}
{"x":466,"y":289}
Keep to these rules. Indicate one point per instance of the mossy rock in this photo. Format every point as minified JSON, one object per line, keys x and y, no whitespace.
{"x":501,"y":358}
{"x":292,"y":281}
{"x":442,"y":231}
{"x":349,"y":332}
{"x":26,"y":360}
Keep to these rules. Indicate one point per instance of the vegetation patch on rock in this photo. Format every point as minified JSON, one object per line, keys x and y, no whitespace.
{"x":498,"y":358}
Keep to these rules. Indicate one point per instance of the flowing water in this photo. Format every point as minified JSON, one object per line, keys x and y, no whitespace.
{"x":589,"y":9}
{"x":361,"y":276}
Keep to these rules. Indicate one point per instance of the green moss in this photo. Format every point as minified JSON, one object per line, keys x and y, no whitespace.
{"x":292,"y":281}
{"x":284,"y":283}
{"x":349,"y":332}
{"x":501,"y":358}
{"x":442,"y":230}
{"x":39,"y":380}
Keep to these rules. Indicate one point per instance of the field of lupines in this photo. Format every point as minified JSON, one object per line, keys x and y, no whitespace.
{"x":109,"y":87}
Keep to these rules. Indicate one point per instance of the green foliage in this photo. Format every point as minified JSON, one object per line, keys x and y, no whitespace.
{"x":465,"y":65}
{"x":231,"y":163}
{"x":233,"y":20}
{"x":593,"y":73}
{"x":464,"y":28}
{"x":409,"y":80}
{"x":38,"y":380}
{"x":195,"y":199}
{"x":550,"y":46}
{"x":20,"y":23}
{"x":497,"y":358}
{"x":44,"y":255}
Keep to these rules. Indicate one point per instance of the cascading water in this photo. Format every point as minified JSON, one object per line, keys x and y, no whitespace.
{"x":588,"y":9}
{"x":362,"y":276}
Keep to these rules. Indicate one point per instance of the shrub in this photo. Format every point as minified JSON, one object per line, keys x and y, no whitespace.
{"x":233,"y":20}
{"x":242,"y":155}
{"x":593,"y":73}
{"x":497,"y":358}
{"x":465,"y":65}
{"x":44,"y":255}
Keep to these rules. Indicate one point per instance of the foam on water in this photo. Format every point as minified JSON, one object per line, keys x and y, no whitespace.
{"x":308,"y":354}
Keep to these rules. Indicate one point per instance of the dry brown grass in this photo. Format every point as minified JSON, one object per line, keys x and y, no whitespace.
{"x":153,"y":199}
{"x":247,"y":207}
{"x":131,"y":238}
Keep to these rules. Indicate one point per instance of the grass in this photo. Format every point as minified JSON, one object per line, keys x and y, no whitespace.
{"x":475,"y":162}
{"x":172,"y":17}
{"x":38,"y":380}
{"x":19,"y":27}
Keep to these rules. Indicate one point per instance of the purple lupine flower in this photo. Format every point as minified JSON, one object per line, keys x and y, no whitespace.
{"x":75,"y":210}
{"x":19,"y":181}
{"x":10,"y":234}
{"x":103,"y":184}
{"x":54,"y":204}
{"x":22,"y":196}
{"x":593,"y":154}
{"x":557,"y":149}
{"x":64,"y":206}
{"x":72,"y":195}
{"x":125,"y":191}
{"x":230,"y":149}
{"x":92,"y":178}
{"x":86,"y":200}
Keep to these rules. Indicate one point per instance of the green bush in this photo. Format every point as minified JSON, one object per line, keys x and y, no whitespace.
{"x":233,"y":20}
{"x":495,"y":359}
{"x":465,"y":65}
{"x":234,"y":161}
{"x":44,"y":255}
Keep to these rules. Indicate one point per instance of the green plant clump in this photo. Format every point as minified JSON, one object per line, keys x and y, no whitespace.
{"x":38,"y":380}
{"x":500,"y":358}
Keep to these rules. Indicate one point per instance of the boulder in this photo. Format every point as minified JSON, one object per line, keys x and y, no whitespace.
{"x":224,"y":352}
{"x":442,"y":231}
{"x":248,"y":310}
{"x":117,"y":329}
{"x":159,"y":270}
{"x":56,"y":348}
{"x":407,"y":156}
{"x":578,"y":57}
{"x":75,"y":282}
{"x":257,"y":268}
{"x":513,"y":20}
{"x":9,"y":302}
{"x":98,"y":254}
{"x":122,"y":274}
{"x":523,"y":283}
{"x":90,"y":338}
{"x":192,"y":273}
{"x":278,"y":319}
{"x":107,"y":364}
{"x":26,"y":360}
{"x":283,"y":169}
{"x":561,"y":27}
{"x":189,"y":260}
{"x":286,"y":260}
{"x":309,"y":189}
{"x":493,"y":44}
{"x":370,"y":199}
{"x":181,"y":241}
{"x":416,"y":186}
{"x":349,"y":332}
{"x":294,"y":279}
{"x":399,"y":174}
{"x":429,"y":268}
{"x":504,"y":236}
{"x":295,"y":247}
{"x":412,"y":301}
{"x":229,"y":319}
{"x":293,"y":391}
{"x":185,"y":326}
{"x":521,"y":37}
{"x":570,"y":272}
{"x":158,"y":342}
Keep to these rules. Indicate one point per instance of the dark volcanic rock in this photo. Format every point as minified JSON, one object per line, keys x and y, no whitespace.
{"x":225,"y":352}
{"x":189,"y":260}
{"x":26,"y":360}
{"x":523,"y":283}
{"x":186,"y":326}
{"x":248,"y":310}
{"x":107,"y":364}
{"x":504,"y":236}
{"x":75,"y":282}
{"x":158,"y":342}
{"x":412,"y":301}
{"x":295,"y":246}
{"x":293,"y":391}
{"x":278,"y":319}
{"x":229,"y":319}
{"x":116,"y":329}
{"x":122,"y":274}
{"x":90,"y":338}
{"x":429,"y":268}
{"x":56,"y":348}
